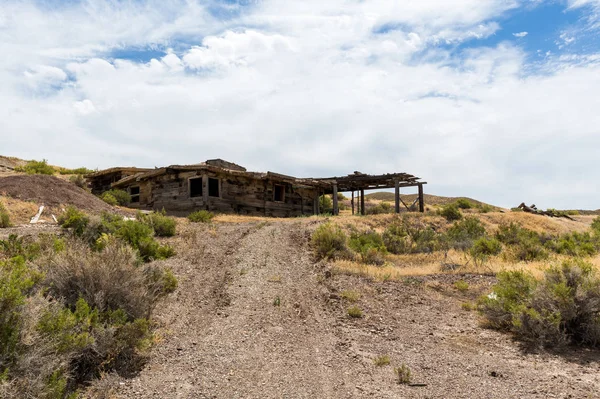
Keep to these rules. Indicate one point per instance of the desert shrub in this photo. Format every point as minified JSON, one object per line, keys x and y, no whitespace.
{"x":341,"y":197}
{"x":596,"y":225}
{"x":575,"y":244}
{"x":355,"y":312}
{"x":350,"y":296}
{"x":403,"y":374}
{"x":381,"y":208}
{"x":74,"y":219}
{"x":109,"y":199}
{"x":140,"y":236}
{"x":461,"y":285}
{"x":109,"y":279}
{"x":561,"y":309}
{"x":451,"y":212}
{"x":516,"y":209}
{"x":36,"y":168}
{"x":462,"y":234}
{"x":485,"y":208}
{"x":382,"y":360}
{"x":403,"y":238}
{"x":485,"y":247}
{"x":16,"y":245}
{"x":123,"y":198}
{"x":525,"y":245}
{"x":4,"y":217}
{"x":369,"y":245}
{"x":78,"y":180}
{"x":16,"y":280}
{"x":201,"y":216}
{"x":464,"y":203}
{"x":78,"y":171}
{"x":162,"y":225}
{"x":396,"y":239}
{"x":325,"y":204}
{"x":329,"y":241}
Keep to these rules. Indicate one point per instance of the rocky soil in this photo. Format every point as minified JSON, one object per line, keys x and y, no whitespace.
{"x":256,"y":317}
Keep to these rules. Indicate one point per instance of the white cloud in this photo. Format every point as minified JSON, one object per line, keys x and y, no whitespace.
{"x":520,"y":34}
{"x":304,"y":88}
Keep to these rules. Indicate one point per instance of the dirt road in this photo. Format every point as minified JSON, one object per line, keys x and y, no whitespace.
{"x":255,"y":317}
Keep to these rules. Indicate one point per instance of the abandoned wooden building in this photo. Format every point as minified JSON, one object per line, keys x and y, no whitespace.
{"x":222,"y":186}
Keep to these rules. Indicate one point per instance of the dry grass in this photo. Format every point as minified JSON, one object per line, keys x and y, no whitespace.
{"x":20,"y":212}
{"x":423,"y":265}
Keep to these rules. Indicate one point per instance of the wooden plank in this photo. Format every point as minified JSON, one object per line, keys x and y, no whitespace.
{"x":362,"y":202}
{"x":397,"y":196}
{"x":421,"y":199}
{"x":336,"y":210}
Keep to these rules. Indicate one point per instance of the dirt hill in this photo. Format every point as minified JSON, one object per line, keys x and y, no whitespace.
{"x":429,"y":199}
{"x":50,"y":191}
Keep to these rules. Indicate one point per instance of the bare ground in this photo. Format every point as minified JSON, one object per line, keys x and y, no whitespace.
{"x":255,"y":317}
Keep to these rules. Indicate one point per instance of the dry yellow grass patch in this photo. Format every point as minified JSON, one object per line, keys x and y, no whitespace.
{"x":401,"y":266}
{"x":19,"y":211}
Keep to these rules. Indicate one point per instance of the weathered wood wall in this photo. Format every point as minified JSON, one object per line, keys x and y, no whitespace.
{"x":238,"y":194}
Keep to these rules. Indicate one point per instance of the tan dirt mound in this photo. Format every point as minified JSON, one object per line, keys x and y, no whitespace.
{"x":51,"y":192}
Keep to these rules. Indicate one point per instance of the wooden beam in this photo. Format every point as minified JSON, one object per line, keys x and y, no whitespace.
{"x":397,"y":196}
{"x":362,"y":202}
{"x":421,"y":199}
{"x":336,"y":210}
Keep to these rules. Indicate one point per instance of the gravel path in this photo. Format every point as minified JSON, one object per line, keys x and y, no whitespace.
{"x":255,"y":317}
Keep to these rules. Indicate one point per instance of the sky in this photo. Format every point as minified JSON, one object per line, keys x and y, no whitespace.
{"x":492,"y":99}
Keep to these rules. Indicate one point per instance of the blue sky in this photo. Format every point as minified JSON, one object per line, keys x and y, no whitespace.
{"x":494,"y":99}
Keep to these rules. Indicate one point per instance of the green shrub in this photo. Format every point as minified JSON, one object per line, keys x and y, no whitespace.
{"x":403,"y":374}
{"x":396,"y":239}
{"x":329,"y":241}
{"x":162,"y":225}
{"x":464,"y":203}
{"x":485,"y":247}
{"x":382,"y":360}
{"x":461,"y":285}
{"x":461,"y":235}
{"x":79,"y":171}
{"x":561,"y":309}
{"x":325,"y":204}
{"x":485,"y":208}
{"x":123,"y":198}
{"x":78,"y":180}
{"x":109,"y":199}
{"x":596,"y":225}
{"x":451,"y":212}
{"x":516,"y":209}
{"x":140,"y":237}
{"x":74,"y":219}
{"x":369,"y":245}
{"x":381,"y":208}
{"x":403,"y":238}
{"x":36,"y":168}
{"x":16,"y":281}
{"x":201,"y":216}
{"x":575,"y":244}
{"x":525,"y":245}
{"x":4,"y":217}
{"x":355,"y":312}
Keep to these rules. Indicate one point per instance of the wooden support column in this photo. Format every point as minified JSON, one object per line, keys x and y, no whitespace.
{"x":421,"y":199}
{"x":336,"y":210}
{"x":352,"y":202}
{"x":316,"y":204}
{"x":397,"y":195}
{"x":205,"y":192}
{"x":362,"y":201}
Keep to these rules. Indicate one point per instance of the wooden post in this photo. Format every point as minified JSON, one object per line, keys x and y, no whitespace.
{"x":205,"y":191}
{"x":336,"y":209}
{"x":352,"y":202}
{"x":421,"y":199}
{"x":316,"y":204}
{"x":397,"y":196}
{"x":362,"y":201}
